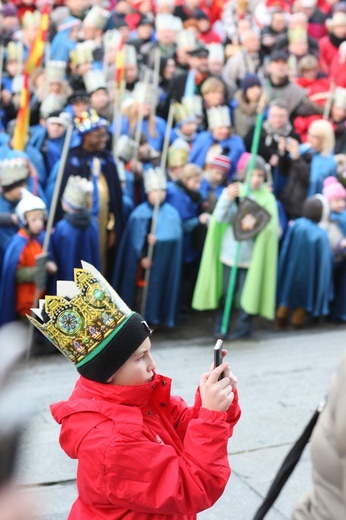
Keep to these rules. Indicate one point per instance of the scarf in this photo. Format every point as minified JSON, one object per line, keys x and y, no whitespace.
{"x":274,"y":134}
{"x":79,"y":220}
{"x":248,"y":107}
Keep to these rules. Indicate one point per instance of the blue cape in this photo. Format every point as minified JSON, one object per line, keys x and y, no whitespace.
{"x":164,"y":282}
{"x":12,"y":254}
{"x":69,"y":245}
{"x":305,"y":268}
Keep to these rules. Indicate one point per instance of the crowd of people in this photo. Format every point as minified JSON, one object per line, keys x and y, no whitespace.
{"x":194,"y":152}
{"x":193,"y":155}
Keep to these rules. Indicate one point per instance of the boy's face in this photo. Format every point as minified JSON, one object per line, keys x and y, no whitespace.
{"x":337,"y":205}
{"x":154,"y":195}
{"x":193,"y":183}
{"x":257,"y":179}
{"x":137,"y":370}
{"x":216,"y":176}
{"x":35,"y":221}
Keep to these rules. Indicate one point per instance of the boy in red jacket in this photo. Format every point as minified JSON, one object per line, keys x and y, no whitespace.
{"x":142,"y":453}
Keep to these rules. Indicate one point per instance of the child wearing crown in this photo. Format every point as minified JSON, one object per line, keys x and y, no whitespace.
{"x":76,"y":235}
{"x":20,"y":275}
{"x":161,"y":306}
{"x":142,"y":453}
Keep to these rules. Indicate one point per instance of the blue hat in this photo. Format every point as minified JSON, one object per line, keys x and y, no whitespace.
{"x":250,"y":80}
{"x":89,"y":121}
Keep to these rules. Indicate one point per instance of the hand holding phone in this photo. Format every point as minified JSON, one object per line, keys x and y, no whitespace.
{"x":218,"y":355}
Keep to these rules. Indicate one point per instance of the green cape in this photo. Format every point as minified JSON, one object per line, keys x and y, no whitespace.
{"x":258,"y":295}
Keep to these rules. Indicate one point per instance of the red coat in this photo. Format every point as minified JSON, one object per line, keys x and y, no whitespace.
{"x":327,"y":53}
{"x":143,"y":454}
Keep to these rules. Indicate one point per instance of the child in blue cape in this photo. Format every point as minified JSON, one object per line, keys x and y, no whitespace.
{"x":76,"y":235}
{"x":162,"y":303}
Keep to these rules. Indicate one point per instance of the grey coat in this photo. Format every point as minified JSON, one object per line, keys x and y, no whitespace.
{"x":327,"y":499}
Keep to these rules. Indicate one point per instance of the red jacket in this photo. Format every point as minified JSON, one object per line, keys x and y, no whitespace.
{"x":143,"y":454}
{"x":327,"y":52}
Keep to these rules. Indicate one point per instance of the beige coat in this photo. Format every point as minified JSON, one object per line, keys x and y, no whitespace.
{"x":327,"y":500}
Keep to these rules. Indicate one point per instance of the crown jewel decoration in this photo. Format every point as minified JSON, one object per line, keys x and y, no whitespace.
{"x":81,"y":321}
{"x":89,"y":121}
{"x":13,"y":170}
{"x":78,"y":192}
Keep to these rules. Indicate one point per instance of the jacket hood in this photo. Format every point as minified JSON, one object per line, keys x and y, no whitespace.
{"x":92,"y":403}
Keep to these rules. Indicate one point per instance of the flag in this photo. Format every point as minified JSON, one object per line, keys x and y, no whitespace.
{"x":119,"y":63}
{"x":23,"y":116}
{"x":36,"y":52}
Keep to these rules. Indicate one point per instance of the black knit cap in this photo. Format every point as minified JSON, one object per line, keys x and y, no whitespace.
{"x":117,"y":351}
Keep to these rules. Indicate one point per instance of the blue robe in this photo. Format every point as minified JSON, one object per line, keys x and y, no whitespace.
{"x":52,"y":148}
{"x":188,"y":211}
{"x":164,"y":283}
{"x":340,"y":219}
{"x":9,"y":264}
{"x":61,"y":45}
{"x":70,"y":244}
{"x":205,"y":140}
{"x":305,"y":268}
{"x":6,"y":232}
{"x":322,"y":166}
{"x":155,"y":142}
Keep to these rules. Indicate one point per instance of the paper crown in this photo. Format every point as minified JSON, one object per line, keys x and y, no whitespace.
{"x":51,"y":103}
{"x":154,"y":179}
{"x":94,"y":80}
{"x":97,"y":17}
{"x":56,"y":71}
{"x":216,"y":52}
{"x":77,"y":193}
{"x":13,"y":171}
{"x":186,"y":39}
{"x":89,"y":121}
{"x":14,"y":51}
{"x":181,"y":114}
{"x":178,"y":154}
{"x":145,"y":93}
{"x":339,"y":97}
{"x":297,"y":35}
{"x":130,"y":55}
{"x":125,"y":148}
{"x":31,"y":19}
{"x":111,"y":39}
{"x":90,"y":324}
{"x":17,"y":84}
{"x":218,"y":116}
{"x":83,"y":53}
{"x":83,"y":316}
{"x":165,"y":21}
{"x":193,"y":105}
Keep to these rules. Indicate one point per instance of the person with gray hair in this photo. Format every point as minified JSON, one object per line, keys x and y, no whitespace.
{"x":247,"y":61}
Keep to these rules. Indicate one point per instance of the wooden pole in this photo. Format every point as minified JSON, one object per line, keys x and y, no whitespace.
{"x":157,"y":208}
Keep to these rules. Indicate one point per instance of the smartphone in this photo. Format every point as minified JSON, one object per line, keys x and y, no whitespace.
{"x":218,"y":355}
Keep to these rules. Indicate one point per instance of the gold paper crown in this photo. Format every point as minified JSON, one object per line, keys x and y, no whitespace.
{"x":83,"y":53}
{"x":31,"y":19}
{"x":178,"y":154}
{"x":14,"y":51}
{"x":85,"y":319}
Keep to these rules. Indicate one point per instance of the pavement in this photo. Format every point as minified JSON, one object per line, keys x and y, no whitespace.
{"x":282,"y":378}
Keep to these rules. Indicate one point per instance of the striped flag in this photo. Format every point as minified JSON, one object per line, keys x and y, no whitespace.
{"x":119,"y":63}
{"x":23,"y":116}
{"x":36,"y":52}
